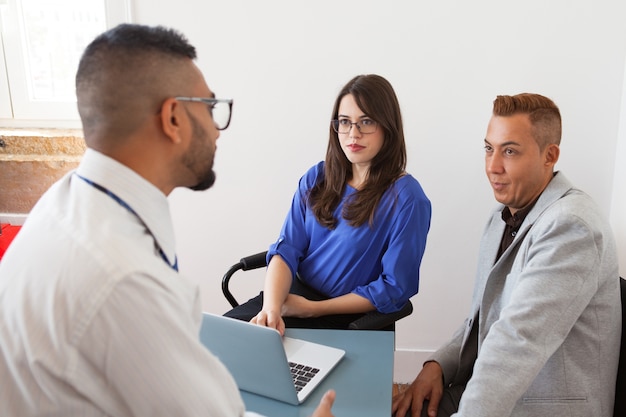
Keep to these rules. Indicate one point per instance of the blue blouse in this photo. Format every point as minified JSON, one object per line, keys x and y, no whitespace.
{"x":380,"y":263}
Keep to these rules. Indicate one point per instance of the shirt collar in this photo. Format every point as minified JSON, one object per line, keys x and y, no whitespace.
{"x":515,"y":220}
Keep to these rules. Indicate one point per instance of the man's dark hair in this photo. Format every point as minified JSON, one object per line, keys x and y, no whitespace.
{"x":126,"y":72}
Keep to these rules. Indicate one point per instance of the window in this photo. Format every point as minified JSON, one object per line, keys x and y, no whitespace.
{"x":42,"y":41}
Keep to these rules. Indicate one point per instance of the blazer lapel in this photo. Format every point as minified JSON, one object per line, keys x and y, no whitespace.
{"x":557,"y":188}
{"x":489,"y":247}
{"x":489,"y":269}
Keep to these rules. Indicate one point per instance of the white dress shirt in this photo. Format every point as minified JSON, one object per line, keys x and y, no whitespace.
{"x":93,"y":320}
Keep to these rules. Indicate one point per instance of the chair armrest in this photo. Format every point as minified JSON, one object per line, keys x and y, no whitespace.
{"x":245,"y":264}
{"x":254,"y":261}
{"x":375,"y":320}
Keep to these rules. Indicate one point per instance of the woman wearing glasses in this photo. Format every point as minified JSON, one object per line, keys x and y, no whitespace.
{"x":355,"y":235}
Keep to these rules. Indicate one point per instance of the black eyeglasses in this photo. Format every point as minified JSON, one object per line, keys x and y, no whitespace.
{"x":365,"y":126}
{"x":220,"y":108}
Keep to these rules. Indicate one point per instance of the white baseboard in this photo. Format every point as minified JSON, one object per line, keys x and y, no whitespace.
{"x":14,"y":219}
{"x":407,"y":364}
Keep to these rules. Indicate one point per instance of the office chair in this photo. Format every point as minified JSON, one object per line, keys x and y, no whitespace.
{"x":373,"y":320}
{"x":620,"y":386}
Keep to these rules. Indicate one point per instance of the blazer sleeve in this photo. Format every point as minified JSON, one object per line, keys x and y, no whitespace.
{"x":448,"y":356}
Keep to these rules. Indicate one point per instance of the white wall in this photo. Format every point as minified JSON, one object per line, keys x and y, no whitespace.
{"x":284,"y":61}
{"x":618,"y":206}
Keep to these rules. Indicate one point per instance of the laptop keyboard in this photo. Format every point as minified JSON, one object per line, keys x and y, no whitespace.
{"x":301,"y":374}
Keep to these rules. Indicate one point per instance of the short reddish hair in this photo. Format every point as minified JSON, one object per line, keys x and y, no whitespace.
{"x":544,"y":115}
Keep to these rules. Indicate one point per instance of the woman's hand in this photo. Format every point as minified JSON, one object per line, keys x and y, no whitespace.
{"x":271,"y":319}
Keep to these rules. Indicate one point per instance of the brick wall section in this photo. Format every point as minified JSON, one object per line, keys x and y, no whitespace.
{"x":31,"y":161}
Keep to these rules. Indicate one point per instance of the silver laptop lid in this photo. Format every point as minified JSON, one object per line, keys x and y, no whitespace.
{"x":253,"y":354}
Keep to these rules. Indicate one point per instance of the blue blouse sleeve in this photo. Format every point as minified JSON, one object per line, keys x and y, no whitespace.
{"x":399,"y":279}
{"x":293,"y":240}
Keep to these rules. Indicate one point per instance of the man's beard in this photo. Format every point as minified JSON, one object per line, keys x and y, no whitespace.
{"x":205,"y":184}
{"x":195,"y":159}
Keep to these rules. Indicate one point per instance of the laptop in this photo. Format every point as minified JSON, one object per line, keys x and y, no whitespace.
{"x":262,"y":362}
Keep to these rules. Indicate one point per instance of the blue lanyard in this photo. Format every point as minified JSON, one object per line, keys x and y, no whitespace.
{"x":124,"y":204}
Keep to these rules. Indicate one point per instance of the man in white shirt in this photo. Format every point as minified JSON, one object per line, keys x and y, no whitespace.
{"x":94,"y":319}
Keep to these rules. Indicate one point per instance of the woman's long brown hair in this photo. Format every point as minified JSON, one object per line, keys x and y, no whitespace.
{"x":376,"y":98}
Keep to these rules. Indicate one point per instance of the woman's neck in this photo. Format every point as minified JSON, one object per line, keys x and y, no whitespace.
{"x":359,"y":176}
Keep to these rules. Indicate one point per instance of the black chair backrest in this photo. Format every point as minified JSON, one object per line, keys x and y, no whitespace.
{"x":620,"y":386}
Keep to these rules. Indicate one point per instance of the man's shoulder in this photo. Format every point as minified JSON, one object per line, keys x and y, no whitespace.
{"x":570,"y":199}
{"x":561,"y":197}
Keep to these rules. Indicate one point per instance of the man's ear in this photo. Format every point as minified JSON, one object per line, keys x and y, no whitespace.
{"x":552,"y":154}
{"x":171,"y":118}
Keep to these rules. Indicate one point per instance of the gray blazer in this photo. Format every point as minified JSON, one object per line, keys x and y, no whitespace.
{"x":548,"y":314}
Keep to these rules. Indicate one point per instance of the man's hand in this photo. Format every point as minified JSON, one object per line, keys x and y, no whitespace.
{"x":323,"y":409}
{"x":270,"y":319}
{"x":427,"y":386}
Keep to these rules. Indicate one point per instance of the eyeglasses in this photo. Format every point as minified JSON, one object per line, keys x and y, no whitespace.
{"x":220,"y":109}
{"x":343,"y":126}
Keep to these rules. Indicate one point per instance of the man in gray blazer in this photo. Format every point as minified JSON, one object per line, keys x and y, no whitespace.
{"x":542,"y":336}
